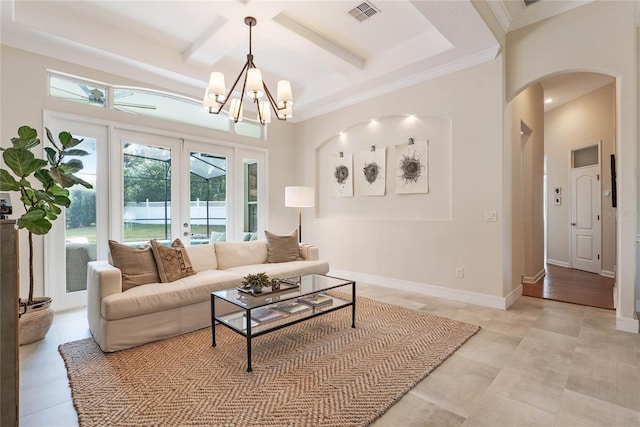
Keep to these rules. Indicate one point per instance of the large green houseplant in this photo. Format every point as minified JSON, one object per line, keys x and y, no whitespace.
{"x":42,"y":185}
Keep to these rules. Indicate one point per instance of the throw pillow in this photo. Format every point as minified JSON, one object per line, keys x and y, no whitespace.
{"x":282,"y":248}
{"x":137,"y":265}
{"x":173,"y":262}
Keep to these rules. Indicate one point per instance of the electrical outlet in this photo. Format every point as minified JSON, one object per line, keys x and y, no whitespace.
{"x":459,"y":272}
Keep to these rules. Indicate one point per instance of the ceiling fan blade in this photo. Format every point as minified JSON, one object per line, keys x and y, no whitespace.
{"x":69,"y":92}
{"x":85,"y":89}
{"x":126,"y":104}
{"x":126,"y":110}
{"x":122,"y":95}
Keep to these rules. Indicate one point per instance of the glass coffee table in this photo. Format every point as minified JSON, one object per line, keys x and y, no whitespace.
{"x":299,"y":299}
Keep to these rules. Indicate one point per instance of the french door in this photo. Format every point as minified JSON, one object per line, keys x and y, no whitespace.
{"x":206,"y":185}
{"x":80,"y":233}
{"x":146,"y":193}
{"x":150,"y":185}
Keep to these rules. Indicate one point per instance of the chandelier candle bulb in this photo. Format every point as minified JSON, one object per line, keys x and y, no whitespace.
{"x":207,"y":103}
{"x":216,"y":89}
{"x":286,"y":113}
{"x":264,"y":112}
{"x":254,"y":83}
{"x":235,"y":110}
{"x":285,"y":97}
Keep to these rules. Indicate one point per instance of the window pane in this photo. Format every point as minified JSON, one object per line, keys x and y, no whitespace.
{"x":208,"y":187}
{"x":77,"y":91}
{"x":80,"y":217}
{"x":147,"y":193}
{"x":251,"y":200}
{"x":167,"y":107}
{"x":254,"y":130}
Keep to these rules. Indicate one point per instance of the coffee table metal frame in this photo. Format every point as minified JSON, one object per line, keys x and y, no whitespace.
{"x":309,"y":285}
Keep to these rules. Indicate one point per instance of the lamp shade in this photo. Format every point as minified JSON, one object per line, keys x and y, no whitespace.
{"x":254,"y":83}
{"x":264,"y":112}
{"x":285,"y":97}
{"x":298,"y":197}
{"x":215,"y":90}
{"x":235,"y":110}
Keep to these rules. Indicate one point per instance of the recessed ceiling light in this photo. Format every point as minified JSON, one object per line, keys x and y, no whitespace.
{"x":548,"y":100}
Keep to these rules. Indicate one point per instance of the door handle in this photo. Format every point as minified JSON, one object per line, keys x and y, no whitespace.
{"x":573,"y":224}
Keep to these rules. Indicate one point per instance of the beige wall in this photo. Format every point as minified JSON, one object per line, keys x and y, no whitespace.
{"x":23,"y":78}
{"x":600,"y":37}
{"x":419,"y":250}
{"x":583,"y":121}
{"x":527,"y":172}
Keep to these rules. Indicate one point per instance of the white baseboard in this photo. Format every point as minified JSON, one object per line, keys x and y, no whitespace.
{"x":627,"y":324}
{"x":607,"y":273}
{"x":558,"y":263}
{"x":535,"y":278}
{"x":513,"y":296}
{"x":433,"y":291}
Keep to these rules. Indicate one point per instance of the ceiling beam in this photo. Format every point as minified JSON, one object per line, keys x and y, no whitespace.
{"x":320,"y":41}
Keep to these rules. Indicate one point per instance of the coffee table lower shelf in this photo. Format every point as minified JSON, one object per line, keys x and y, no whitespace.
{"x":276,"y":319}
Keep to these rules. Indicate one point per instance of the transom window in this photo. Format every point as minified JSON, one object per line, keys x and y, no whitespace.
{"x":146,"y":102}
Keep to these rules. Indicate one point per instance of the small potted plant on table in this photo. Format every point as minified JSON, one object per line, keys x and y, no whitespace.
{"x":256,"y":282}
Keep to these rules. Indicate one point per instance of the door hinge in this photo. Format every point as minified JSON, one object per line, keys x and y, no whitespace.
{"x":598,"y":177}
{"x":598,"y":217}
{"x":598,"y":256}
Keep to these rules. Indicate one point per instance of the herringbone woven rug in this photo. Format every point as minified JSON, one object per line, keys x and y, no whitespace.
{"x":317,"y":373}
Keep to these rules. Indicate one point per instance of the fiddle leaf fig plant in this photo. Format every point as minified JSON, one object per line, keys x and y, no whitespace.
{"x":41,"y":183}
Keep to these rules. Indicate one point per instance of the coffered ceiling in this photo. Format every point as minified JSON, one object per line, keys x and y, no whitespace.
{"x":331,"y":58}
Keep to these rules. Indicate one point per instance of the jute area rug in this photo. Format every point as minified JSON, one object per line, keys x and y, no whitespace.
{"x":320,"y":372}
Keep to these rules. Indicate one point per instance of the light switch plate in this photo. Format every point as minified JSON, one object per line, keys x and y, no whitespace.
{"x":490,"y":216}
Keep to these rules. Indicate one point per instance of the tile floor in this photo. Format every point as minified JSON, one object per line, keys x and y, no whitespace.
{"x":540,"y":363}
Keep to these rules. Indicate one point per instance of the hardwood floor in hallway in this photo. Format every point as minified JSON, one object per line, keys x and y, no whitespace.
{"x":574,"y":286}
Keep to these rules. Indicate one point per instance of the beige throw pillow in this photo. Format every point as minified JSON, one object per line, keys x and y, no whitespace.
{"x":282,"y":248}
{"x":137,"y":265}
{"x":173,"y":262}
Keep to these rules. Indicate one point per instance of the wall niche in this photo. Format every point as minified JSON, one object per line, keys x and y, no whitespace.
{"x":371,"y":170}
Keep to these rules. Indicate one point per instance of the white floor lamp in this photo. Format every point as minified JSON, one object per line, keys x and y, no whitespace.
{"x":299,"y":197}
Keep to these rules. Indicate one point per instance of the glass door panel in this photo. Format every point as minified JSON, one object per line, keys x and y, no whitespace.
{"x":205,"y":193}
{"x":80,"y":233}
{"x":146,"y":193}
{"x":80,"y":219}
{"x":208,"y":197}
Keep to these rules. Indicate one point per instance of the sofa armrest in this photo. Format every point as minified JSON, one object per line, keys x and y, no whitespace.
{"x":103,"y":279}
{"x":309,"y":252}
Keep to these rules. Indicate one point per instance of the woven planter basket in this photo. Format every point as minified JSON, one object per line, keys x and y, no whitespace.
{"x":35,"y":323}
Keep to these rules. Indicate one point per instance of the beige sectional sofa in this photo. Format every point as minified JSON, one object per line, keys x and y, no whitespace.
{"x":122,"y":319}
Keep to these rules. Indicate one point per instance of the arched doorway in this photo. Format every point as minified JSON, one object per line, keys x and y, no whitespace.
{"x":562,"y":116}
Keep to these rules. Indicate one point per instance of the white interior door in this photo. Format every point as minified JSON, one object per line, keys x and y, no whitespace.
{"x":585,"y":219}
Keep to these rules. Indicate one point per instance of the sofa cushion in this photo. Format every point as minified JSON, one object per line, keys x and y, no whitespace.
{"x":232,"y":254}
{"x":283,"y":270}
{"x":158,"y":297}
{"x":137,"y":265}
{"x":173,"y":261}
{"x":203,"y":257}
{"x":282,"y":248}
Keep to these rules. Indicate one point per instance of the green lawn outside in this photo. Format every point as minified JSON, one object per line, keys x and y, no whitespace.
{"x":137,"y":232}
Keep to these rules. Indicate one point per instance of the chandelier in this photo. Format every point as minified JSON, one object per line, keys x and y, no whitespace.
{"x":215,"y":97}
